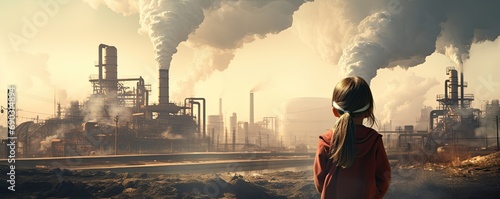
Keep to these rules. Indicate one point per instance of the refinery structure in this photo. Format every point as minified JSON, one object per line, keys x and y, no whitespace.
{"x":117,"y":119}
{"x":454,"y":125}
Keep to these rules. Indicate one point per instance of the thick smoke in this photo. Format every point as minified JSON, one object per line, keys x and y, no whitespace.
{"x":216,"y":28}
{"x":364,"y":36}
{"x":168,"y":23}
{"x":229,"y":27}
{"x":403,"y":98}
{"x":221,"y":25}
{"x":389,"y":33}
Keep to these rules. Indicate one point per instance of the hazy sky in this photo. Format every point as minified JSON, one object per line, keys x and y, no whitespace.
{"x":51,"y":51}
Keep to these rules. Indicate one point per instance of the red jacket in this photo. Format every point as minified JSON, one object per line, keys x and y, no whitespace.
{"x":368,"y":177}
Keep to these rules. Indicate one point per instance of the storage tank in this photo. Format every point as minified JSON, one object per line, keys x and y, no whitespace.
{"x":110,"y":71}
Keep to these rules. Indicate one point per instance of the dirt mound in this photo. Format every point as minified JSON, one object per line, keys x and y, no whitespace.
{"x":244,"y":189}
{"x":489,"y":160}
{"x":68,"y":189}
{"x":479,"y":176}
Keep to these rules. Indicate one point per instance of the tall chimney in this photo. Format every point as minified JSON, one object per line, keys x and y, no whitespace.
{"x":462,"y":87}
{"x":163,"y":96}
{"x":251,"y":109}
{"x":453,"y":92}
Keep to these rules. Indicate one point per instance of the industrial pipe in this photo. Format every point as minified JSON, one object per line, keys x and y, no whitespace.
{"x":198,"y":116}
{"x":462,"y":88}
{"x":204,"y":112}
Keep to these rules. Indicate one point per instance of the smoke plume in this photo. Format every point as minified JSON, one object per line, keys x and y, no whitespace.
{"x":168,"y":23}
{"x":402,"y":98}
{"x":217,"y":27}
{"x":227,"y":26}
{"x":385,"y":34}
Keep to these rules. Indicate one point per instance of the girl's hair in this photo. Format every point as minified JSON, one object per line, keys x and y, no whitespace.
{"x":350,"y":96}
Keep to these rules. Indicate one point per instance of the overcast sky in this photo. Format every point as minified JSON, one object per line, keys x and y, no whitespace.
{"x":49,"y":48}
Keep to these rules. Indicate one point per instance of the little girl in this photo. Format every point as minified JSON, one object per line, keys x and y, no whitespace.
{"x":350,"y":161}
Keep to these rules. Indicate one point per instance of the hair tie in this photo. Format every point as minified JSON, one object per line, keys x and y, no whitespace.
{"x":336,"y":106}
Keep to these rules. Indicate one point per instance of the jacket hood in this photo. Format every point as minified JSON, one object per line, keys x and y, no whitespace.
{"x":365,"y":139}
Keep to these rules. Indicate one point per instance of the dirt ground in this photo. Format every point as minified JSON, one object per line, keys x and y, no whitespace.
{"x":477,"y":177}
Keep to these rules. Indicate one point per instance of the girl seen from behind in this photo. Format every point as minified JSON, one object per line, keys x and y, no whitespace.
{"x":350,"y":160}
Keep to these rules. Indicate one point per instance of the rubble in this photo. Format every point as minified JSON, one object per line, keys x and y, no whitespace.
{"x":477,"y":177}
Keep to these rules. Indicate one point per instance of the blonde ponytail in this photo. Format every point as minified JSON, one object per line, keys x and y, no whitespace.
{"x":342,"y":148}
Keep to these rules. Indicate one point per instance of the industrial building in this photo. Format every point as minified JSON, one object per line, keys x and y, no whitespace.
{"x":117,"y":118}
{"x":454,"y":125}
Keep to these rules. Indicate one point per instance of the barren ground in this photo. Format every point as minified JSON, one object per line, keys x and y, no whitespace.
{"x":477,"y":177}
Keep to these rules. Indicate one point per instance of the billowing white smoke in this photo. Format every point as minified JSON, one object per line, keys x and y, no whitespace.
{"x":364,"y":36}
{"x":215,"y":27}
{"x":385,"y":40}
{"x":229,"y":27}
{"x":388,"y":33}
{"x":168,"y":23}
{"x":402,"y":98}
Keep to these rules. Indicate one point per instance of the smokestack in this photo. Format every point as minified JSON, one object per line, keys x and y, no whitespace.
{"x":251,"y":109}
{"x":462,"y":87}
{"x":454,"y":87}
{"x":163,"y":96}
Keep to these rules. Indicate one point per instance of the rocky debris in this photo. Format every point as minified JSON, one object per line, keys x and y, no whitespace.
{"x":477,"y":177}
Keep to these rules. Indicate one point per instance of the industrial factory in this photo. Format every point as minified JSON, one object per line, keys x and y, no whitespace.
{"x":454,"y":125}
{"x":118,"y":119}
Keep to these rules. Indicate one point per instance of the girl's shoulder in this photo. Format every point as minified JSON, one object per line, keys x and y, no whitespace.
{"x":327,"y":136}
